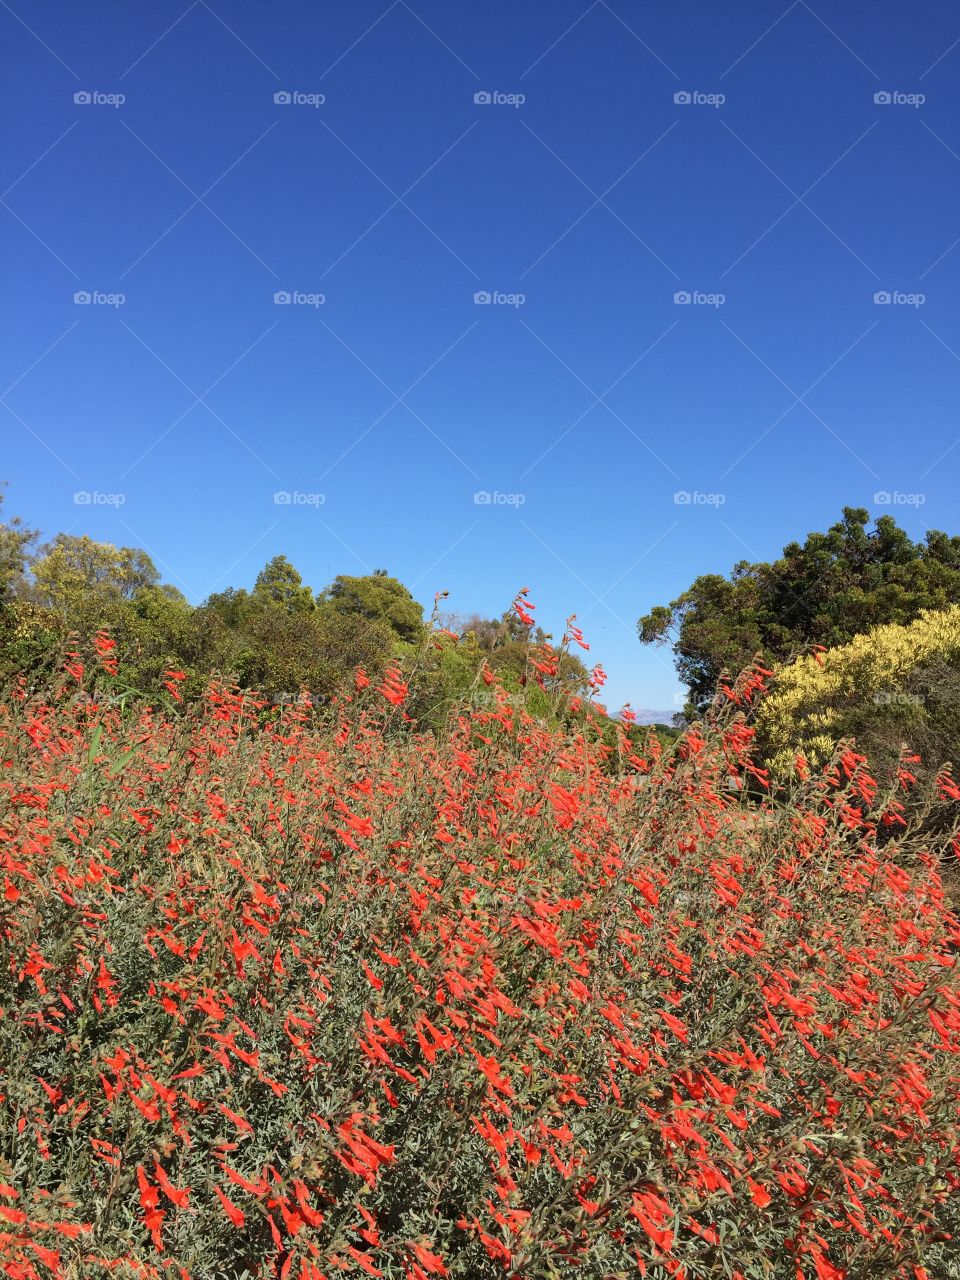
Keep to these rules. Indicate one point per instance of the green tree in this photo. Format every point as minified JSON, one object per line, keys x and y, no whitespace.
{"x":80,"y":585}
{"x":506,"y":645}
{"x":377,"y":597}
{"x":251,"y":637}
{"x":832,"y":587}
{"x":155,"y":631}
{"x":278,"y":583}
{"x":227,"y":608}
{"x":76,"y":576}
{"x":15,"y":542}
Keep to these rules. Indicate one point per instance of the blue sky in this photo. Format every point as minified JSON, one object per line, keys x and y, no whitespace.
{"x":782,"y":197}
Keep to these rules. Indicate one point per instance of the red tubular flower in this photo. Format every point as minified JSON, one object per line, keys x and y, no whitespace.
{"x":153,"y":1215}
{"x":235,"y":1215}
{"x":178,"y":1196}
{"x":432,"y":1263}
{"x":171,"y":683}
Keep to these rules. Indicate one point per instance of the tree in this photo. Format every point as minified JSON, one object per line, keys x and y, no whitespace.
{"x":377,"y":597}
{"x":506,"y":645}
{"x":276,"y":651}
{"x":278,"y":583}
{"x":834,"y":586}
{"x":155,"y":631}
{"x":494,"y":633}
{"x":76,"y":576}
{"x":228,"y":608}
{"x":80,"y":585}
{"x":15,"y":543}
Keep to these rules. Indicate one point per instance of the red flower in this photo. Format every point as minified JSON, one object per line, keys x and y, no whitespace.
{"x":432,"y":1262}
{"x":235,"y":1215}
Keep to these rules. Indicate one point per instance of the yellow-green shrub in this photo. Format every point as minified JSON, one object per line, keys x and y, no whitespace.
{"x":884,"y":682}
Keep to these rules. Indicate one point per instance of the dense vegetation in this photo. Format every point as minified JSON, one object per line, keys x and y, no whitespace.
{"x":279,"y":638}
{"x":313,"y":991}
{"x":825,"y":591}
{"x":895,"y":683}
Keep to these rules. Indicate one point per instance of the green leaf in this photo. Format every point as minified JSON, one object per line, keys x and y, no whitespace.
{"x":122,"y":761}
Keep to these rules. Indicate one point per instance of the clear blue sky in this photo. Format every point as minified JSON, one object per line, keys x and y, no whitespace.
{"x":597,"y":198}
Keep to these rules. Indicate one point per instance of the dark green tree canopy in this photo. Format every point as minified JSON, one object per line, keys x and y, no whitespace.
{"x":278,"y":583}
{"x":825,"y":591}
{"x":378,"y":598}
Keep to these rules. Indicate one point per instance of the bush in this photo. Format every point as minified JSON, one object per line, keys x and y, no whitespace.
{"x":893,"y":686}
{"x":335,"y":996}
{"x":827,"y":590}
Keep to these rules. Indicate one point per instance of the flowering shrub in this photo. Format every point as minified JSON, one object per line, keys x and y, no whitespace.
{"x":810,"y":708}
{"x":322,"y":995}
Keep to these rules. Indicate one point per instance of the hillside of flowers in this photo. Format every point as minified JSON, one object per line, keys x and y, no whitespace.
{"x":310,"y":991}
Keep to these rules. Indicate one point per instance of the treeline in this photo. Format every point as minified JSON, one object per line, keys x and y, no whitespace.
{"x":825,"y":591}
{"x":861,"y":628}
{"x":279,"y":638}
{"x":859,"y":624}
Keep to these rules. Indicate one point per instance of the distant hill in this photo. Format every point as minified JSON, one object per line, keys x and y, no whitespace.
{"x":645,"y":716}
